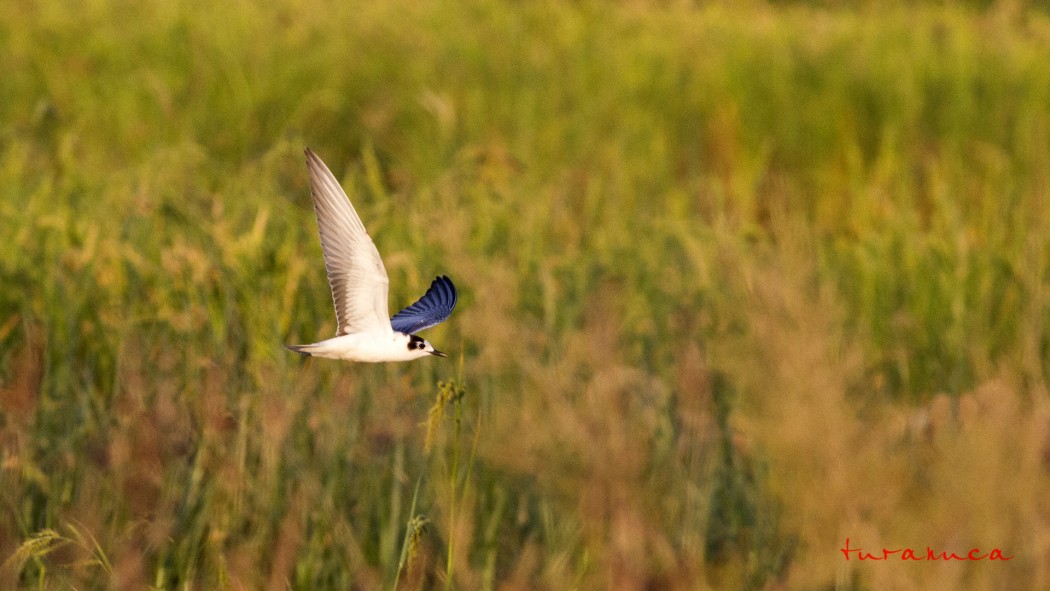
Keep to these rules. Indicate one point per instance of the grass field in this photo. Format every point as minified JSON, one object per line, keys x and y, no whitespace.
{"x":736,"y":285}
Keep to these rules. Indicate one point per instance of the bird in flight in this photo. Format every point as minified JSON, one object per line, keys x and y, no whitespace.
{"x":360,"y":286}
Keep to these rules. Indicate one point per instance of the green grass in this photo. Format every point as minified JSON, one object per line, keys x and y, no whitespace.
{"x":735,"y":285}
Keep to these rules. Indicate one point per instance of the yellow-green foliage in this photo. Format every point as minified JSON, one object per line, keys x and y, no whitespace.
{"x":737,"y":284}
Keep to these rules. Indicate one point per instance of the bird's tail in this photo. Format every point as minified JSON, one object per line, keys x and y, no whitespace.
{"x":303,"y":350}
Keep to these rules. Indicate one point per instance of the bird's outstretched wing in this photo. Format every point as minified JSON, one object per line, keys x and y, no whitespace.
{"x":355,"y":270}
{"x":433,"y":308}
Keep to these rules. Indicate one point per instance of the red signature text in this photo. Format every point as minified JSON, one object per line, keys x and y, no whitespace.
{"x":929,"y":554}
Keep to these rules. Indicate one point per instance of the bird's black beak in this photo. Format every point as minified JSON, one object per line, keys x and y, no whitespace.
{"x":438,"y":353}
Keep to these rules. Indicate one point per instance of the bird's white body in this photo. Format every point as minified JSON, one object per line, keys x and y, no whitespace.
{"x":359,"y":286}
{"x":367,"y":347}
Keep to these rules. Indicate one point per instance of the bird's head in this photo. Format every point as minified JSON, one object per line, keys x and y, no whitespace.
{"x":422,"y":347}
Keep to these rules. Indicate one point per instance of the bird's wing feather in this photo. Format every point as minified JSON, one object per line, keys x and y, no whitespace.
{"x":355,"y":270}
{"x":433,"y":308}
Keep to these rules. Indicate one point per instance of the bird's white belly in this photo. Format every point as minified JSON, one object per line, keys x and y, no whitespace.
{"x":365,"y":347}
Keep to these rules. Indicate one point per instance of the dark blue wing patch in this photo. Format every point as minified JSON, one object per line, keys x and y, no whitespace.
{"x":433,"y":308}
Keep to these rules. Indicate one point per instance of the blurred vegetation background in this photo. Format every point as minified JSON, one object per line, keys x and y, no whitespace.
{"x":738,"y":282}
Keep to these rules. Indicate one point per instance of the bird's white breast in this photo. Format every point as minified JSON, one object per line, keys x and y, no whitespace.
{"x":367,"y":347}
